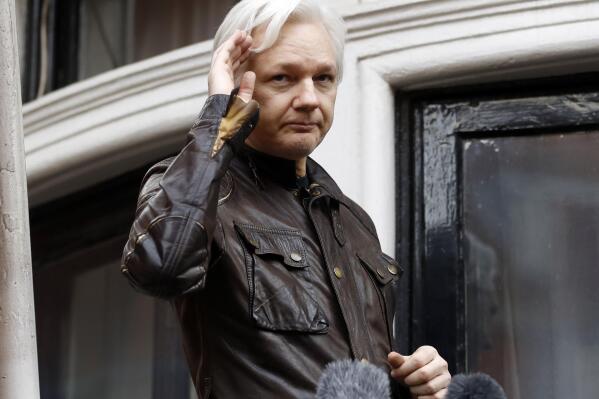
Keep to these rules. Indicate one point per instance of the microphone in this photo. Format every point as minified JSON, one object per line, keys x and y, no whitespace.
{"x":350,"y":379}
{"x":474,"y":386}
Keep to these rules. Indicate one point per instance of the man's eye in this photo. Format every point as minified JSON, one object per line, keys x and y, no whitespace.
{"x":325,"y":78}
{"x":280,"y":78}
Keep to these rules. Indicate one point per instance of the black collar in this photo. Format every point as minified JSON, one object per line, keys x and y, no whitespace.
{"x":279,"y":170}
{"x":282,"y":171}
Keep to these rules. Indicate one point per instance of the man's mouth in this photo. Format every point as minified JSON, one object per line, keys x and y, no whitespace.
{"x":302,"y":126}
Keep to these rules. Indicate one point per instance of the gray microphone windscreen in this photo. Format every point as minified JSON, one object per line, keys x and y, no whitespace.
{"x":474,"y":386}
{"x":350,"y":379}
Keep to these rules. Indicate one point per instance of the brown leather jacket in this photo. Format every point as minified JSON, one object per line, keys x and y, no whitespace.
{"x":271,"y":282}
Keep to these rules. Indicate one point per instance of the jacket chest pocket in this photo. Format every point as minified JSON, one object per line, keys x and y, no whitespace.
{"x":281,"y":297}
{"x":383,"y":271}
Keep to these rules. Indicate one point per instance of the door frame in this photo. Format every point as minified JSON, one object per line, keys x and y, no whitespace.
{"x":430,"y":126}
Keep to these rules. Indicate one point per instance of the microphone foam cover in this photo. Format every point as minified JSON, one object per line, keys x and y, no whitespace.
{"x":347,"y":379}
{"x":474,"y":386}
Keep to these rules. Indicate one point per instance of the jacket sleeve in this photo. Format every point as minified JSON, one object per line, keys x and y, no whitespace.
{"x":168,"y":250}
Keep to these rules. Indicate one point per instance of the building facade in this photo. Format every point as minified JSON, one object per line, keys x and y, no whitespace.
{"x":466,"y":128}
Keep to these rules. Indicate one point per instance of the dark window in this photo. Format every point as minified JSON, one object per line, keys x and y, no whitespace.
{"x":97,"y":337}
{"x":71,"y":40}
{"x":499,"y":216}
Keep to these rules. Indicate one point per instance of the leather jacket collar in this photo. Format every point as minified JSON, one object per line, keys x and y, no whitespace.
{"x":282,"y":171}
{"x":279,"y":170}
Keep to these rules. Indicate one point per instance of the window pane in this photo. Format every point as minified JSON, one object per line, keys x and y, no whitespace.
{"x":96,"y":334}
{"x":531,"y":231}
{"x":162,"y":26}
{"x":103,"y":42}
{"x":110,"y":353}
{"x":98,"y":338}
{"x":118,"y":32}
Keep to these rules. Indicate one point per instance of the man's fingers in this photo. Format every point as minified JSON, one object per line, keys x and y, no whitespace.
{"x":247,"y":41}
{"x":420,"y":358}
{"x":242,"y":52}
{"x":396,"y":360}
{"x":226,"y":61}
{"x":243,"y":57}
{"x":431,"y":387}
{"x":439,"y":395}
{"x":238,"y":57}
{"x":427,"y":373}
{"x":228,"y":44}
{"x":237,"y":38}
{"x":235,"y":44}
{"x":246,"y":88}
{"x":242,"y":41}
{"x":234,"y":55}
{"x":229,"y":55}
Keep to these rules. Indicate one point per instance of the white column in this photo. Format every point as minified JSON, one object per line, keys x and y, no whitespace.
{"x":18,"y":351}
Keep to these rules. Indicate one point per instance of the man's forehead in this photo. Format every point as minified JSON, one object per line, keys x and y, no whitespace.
{"x":298,"y":44}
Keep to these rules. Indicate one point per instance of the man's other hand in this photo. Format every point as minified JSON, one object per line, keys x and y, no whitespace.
{"x":424,"y":372}
{"x":226,"y":60}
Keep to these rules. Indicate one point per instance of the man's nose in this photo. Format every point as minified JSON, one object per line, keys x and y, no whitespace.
{"x":307,"y":98}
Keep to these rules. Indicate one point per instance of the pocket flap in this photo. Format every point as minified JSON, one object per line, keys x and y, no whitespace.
{"x":286,"y":243}
{"x":383,"y":267}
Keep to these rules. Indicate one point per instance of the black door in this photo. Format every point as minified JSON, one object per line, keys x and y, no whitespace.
{"x":499,"y":220}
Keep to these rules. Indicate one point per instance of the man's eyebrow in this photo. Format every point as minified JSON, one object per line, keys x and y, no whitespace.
{"x":325,"y":66}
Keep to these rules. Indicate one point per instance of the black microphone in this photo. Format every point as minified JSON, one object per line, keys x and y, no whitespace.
{"x":474,"y":386}
{"x":350,"y":379}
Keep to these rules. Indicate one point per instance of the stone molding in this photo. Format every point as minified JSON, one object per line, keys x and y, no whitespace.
{"x":19,"y":376}
{"x":103,"y":126}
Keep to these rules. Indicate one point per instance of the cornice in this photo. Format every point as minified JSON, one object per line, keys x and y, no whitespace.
{"x":380,"y":18}
{"x":130,"y":110}
{"x":117,"y":84}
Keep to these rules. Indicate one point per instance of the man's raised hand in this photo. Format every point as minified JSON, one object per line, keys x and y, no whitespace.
{"x":226,"y":61}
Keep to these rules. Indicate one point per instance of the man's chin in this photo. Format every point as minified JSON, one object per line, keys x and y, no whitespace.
{"x":293,"y":147}
{"x":298,"y":149}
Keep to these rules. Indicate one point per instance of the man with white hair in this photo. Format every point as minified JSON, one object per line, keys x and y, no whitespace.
{"x":273,"y":272}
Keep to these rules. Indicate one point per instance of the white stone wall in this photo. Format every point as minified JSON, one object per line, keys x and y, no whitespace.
{"x":18,"y":350}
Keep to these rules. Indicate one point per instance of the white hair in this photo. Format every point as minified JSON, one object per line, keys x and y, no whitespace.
{"x":249,"y":14}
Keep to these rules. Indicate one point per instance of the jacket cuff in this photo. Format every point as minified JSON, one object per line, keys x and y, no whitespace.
{"x":235,"y":122}
{"x":214,"y":107}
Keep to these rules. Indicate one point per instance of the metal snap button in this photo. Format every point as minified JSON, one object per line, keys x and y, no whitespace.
{"x":338,"y":272}
{"x":392,"y":269}
{"x":295,"y":257}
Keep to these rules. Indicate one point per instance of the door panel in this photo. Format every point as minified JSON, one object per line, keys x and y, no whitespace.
{"x":502,"y":209}
{"x":530,"y":244}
